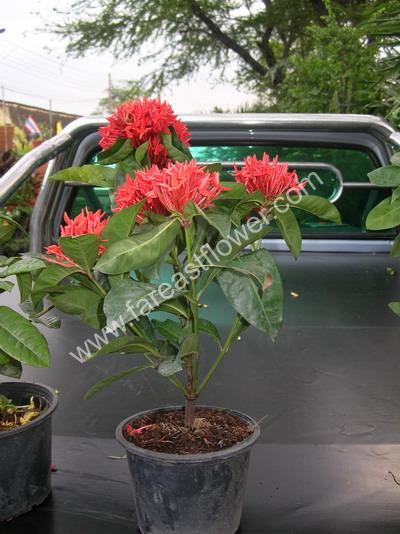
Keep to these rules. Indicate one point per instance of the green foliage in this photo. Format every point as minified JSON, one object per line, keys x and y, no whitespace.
{"x":118,"y":94}
{"x":319,"y":56}
{"x":88,"y":174}
{"x":138,"y":251}
{"x":21,"y":341}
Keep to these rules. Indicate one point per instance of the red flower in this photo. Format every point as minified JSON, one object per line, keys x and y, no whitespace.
{"x":87,"y":222}
{"x":268,"y":176}
{"x":168,"y":190}
{"x":143,"y":120}
{"x":134,"y":190}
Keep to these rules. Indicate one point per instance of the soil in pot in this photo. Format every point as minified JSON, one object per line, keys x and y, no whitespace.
{"x":164,"y":431}
{"x":13,"y":415}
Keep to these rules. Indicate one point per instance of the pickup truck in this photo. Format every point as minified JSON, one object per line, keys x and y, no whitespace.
{"x":326,"y":392}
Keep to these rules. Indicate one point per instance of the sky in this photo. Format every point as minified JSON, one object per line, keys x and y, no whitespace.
{"x":35,"y":70}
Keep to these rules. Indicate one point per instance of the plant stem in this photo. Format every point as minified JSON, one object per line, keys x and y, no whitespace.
{"x":191,"y":367}
{"x":101,"y":289}
{"x":231,"y":337}
{"x":43,"y":312}
{"x":190,"y":396}
{"x":135,"y":329}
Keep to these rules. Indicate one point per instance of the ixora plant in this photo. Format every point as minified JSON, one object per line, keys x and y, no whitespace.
{"x":173,"y":214}
{"x":387,"y":213}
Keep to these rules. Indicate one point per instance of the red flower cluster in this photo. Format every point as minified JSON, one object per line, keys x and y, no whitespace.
{"x":268,"y":176}
{"x":169,"y":190}
{"x":87,"y":222}
{"x":143,"y":120}
{"x":133,"y":190}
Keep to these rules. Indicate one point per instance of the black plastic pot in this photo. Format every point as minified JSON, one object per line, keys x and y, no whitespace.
{"x":182,"y":494}
{"x":25,"y":453}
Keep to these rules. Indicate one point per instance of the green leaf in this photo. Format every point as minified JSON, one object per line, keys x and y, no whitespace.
{"x":318,"y":206}
{"x":388,"y":176}
{"x":209,"y":328}
{"x":174,"y":153}
{"x":395,"y":307}
{"x":121,"y":224}
{"x":87,"y":174}
{"x":189,"y":346}
{"x":396,"y":247}
{"x":176,"y":307}
{"x":248,"y":265}
{"x":12,"y":222}
{"x":237,"y":191}
{"x":129,"y":299}
{"x":21,"y":340}
{"x":290,"y":230}
{"x":239,"y":239}
{"x":6,"y":232}
{"x":24,"y":281}
{"x":5,"y":261}
{"x":140,"y":250}
{"x":171,"y":330}
{"x":262,"y":309}
{"x":395,"y":159}
{"x":111,"y":379}
{"x":23,"y":266}
{"x":76,"y":300}
{"x":214,"y":167}
{"x":49,"y":277}
{"x":395,"y":194}
{"x":173,"y":363}
{"x":127,"y":166}
{"x":179,"y":144}
{"x":128,"y":345}
{"x":5,"y":286}
{"x":9,"y":367}
{"x":141,"y":151}
{"x":121,"y":149}
{"x":146,"y":326}
{"x":82,"y":249}
{"x":170,"y":365}
{"x":219,"y":221}
{"x":385,"y":215}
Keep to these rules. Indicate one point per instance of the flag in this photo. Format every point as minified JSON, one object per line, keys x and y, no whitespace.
{"x":31,"y":128}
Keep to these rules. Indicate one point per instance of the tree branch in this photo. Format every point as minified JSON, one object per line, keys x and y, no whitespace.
{"x":226,"y":40}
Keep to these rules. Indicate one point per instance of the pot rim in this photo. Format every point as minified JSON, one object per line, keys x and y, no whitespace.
{"x":188,"y":458}
{"x":45,"y":415}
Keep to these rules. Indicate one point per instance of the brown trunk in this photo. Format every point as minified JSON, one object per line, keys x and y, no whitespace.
{"x":191,"y":397}
{"x":190,"y":408}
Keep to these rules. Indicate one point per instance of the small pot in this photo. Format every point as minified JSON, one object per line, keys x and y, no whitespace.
{"x":182,"y":494}
{"x":25,"y":453}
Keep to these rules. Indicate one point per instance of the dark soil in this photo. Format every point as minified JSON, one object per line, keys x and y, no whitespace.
{"x":165,"y":432}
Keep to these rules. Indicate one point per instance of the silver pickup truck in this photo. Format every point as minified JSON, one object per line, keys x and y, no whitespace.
{"x":327,"y":391}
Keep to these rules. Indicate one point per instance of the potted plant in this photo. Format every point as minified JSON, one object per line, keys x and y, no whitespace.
{"x":173,"y":215}
{"x":25,"y":408}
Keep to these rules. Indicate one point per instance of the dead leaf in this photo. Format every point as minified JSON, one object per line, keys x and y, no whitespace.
{"x":267,"y":282}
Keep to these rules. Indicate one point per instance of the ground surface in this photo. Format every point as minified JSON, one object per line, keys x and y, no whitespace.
{"x":327,"y":393}
{"x":322,"y":489}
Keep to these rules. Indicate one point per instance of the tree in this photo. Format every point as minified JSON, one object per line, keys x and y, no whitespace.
{"x":255,"y":37}
{"x":383,"y":24}
{"x":118,"y":94}
{"x":338,"y":75}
